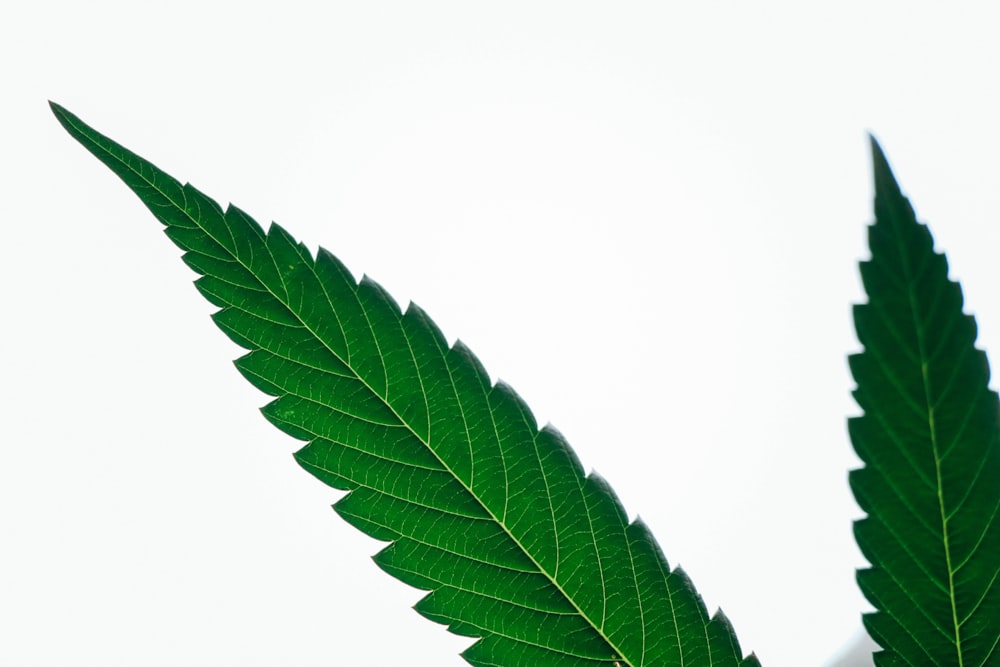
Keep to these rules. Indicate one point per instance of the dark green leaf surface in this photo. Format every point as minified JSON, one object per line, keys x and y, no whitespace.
{"x":930,"y":443}
{"x":490,"y":514}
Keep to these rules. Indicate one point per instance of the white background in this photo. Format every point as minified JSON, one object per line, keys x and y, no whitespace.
{"x":646,"y":217}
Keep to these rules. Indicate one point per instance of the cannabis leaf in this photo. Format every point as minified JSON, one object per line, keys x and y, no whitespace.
{"x":930,"y":442}
{"x":489,"y":513}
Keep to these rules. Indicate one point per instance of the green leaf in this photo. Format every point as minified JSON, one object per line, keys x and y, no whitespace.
{"x":930,"y":442}
{"x":489,"y":513}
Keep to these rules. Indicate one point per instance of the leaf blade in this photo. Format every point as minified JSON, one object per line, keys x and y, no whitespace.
{"x":930,"y":442}
{"x":448,"y":467}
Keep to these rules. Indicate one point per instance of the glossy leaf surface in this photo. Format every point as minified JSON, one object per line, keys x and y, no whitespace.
{"x":930,"y":444}
{"x":492,"y":515}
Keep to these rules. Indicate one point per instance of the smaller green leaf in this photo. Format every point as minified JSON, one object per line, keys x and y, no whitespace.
{"x":930,"y":442}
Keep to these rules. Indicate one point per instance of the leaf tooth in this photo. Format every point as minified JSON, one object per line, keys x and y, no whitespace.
{"x":403,"y":480}
{"x":194,"y":239}
{"x":203,"y":211}
{"x":877,"y":495}
{"x":496,"y":651}
{"x":288,"y":260}
{"x":479,"y":614}
{"x":251,"y":247}
{"x":428,"y":567}
{"x":375,"y":512}
{"x":447,"y":425}
{"x":236,"y":297}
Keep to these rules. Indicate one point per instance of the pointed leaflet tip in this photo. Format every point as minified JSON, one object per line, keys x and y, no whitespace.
{"x":877,"y":153}
{"x":60,"y":112}
{"x":885,"y":181}
{"x":73,"y":125}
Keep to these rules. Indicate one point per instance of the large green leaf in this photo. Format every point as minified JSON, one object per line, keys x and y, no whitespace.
{"x":490,"y":514}
{"x":930,"y":443}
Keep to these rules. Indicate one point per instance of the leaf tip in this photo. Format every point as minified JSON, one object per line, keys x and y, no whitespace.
{"x":57,"y":109}
{"x":873,"y":142}
{"x":879,"y":161}
{"x":64,"y":117}
{"x":885,"y":182}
